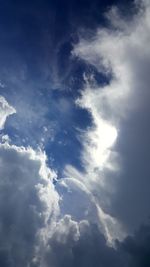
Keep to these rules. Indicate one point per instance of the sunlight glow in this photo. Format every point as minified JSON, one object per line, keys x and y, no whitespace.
{"x":103,"y":138}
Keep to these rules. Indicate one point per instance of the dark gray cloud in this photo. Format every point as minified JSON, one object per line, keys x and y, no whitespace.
{"x":80,"y":244}
{"x":136,"y":248}
{"x":83,"y":244}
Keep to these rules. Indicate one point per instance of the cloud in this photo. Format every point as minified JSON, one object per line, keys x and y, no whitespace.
{"x":35,"y":221}
{"x":28,"y":205}
{"x":113,"y":147}
{"x":82,"y":244}
{"x":79,"y":244}
{"x":135,"y":248}
{"x":81,"y":204}
{"x":5,"y":111}
{"x":71,"y":223}
{"x":34,"y":225}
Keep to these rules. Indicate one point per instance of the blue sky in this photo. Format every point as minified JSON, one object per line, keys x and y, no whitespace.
{"x":74,"y":133}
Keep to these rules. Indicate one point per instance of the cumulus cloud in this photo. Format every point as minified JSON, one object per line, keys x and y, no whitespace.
{"x":71,"y":223}
{"x":33,"y":231}
{"x":5,"y":111}
{"x":28,"y":205}
{"x":82,"y":244}
{"x":122,"y":53}
{"x":34,"y":225}
{"x":79,"y":244}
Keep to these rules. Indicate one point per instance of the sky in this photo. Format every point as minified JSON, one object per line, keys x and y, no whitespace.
{"x":74,"y":133}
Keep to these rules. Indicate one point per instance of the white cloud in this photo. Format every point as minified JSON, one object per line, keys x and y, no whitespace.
{"x":33,"y":220}
{"x":28,"y":204}
{"x":5,"y":111}
{"x":122,"y":52}
{"x":33,"y":231}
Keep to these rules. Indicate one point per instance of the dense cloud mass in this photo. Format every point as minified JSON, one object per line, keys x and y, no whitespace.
{"x":96,"y":216}
{"x":80,"y":245}
{"x":28,"y":205}
{"x":83,"y":245}
{"x":116,"y":152}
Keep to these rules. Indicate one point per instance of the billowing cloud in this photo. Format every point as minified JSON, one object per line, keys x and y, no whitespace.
{"x":28,"y":205}
{"x":73,"y":222}
{"x":79,"y":244}
{"x":113,"y":145}
{"x":82,"y":244}
{"x":34,"y":225}
{"x":33,"y":231}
